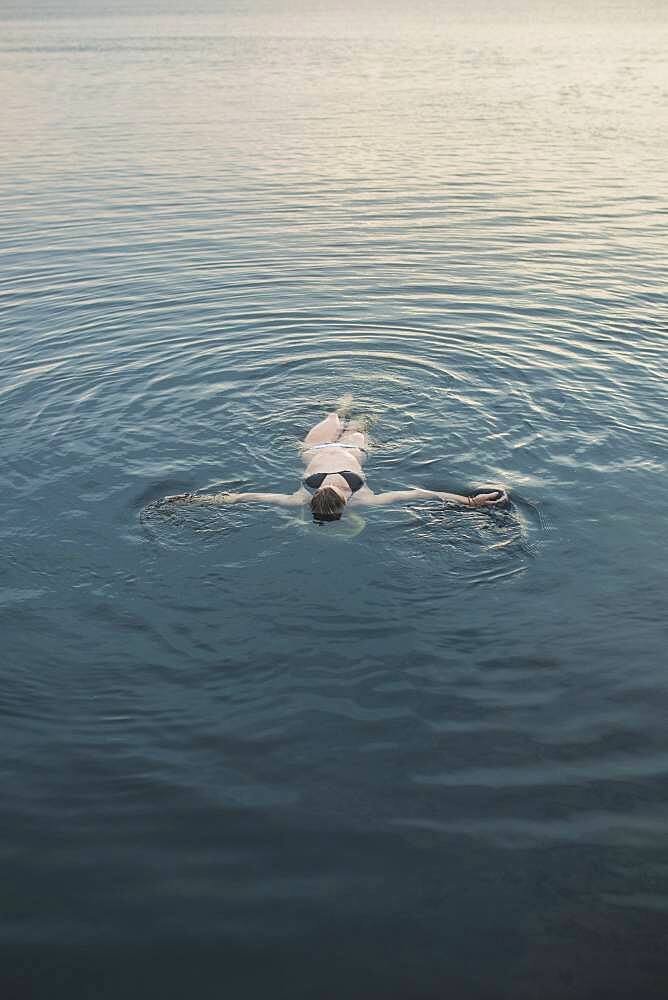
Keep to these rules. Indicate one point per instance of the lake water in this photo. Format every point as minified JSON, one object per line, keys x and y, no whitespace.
{"x":421,"y":752}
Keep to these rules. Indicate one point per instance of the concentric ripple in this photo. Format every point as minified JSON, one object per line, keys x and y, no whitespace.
{"x":306,"y":747}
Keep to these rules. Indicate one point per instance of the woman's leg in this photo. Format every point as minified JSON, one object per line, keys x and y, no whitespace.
{"x":326,"y":431}
{"x":354,"y":435}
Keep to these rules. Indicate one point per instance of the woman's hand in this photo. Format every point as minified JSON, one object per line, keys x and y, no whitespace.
{"x":491,"y":499}
{"x":178,"y":498}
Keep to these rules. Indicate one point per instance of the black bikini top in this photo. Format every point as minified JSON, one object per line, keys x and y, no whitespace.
{"x":315,"y":481}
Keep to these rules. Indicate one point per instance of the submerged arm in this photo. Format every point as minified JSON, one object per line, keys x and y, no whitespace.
{"x":396,"y":496}
{"x":218,"y":499}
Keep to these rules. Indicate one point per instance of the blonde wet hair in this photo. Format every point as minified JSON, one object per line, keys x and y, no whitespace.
{"x":327,"y":504}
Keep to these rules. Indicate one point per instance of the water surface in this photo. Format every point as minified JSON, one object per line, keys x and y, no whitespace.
{"x":417,"y":753}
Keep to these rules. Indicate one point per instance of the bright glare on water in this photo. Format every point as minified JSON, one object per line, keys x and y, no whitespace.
{"x":418,"y":753}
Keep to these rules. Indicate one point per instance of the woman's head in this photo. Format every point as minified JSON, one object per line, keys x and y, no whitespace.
{"x":327,"y":504}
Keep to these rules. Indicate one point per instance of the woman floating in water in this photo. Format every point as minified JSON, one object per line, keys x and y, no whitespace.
{"x":333,"y":454}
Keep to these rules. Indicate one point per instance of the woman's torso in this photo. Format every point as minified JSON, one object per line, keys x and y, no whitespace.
{"x":333,"y":458}
{"x":338,"y":458}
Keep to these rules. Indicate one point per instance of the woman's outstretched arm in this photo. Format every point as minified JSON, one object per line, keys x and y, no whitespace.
{"x":491,"y":499}
{"x":218,"y":499}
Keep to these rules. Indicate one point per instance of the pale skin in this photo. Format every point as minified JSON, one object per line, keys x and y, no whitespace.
{"x":329,"y":447}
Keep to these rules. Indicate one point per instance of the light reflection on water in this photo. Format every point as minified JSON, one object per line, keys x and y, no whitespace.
{"x":235,"y":726}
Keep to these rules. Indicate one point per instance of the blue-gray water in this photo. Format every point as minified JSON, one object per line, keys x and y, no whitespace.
{"x":417,"y":755}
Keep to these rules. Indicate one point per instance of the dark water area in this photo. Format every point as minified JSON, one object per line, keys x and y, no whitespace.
{"x":418,"y":753}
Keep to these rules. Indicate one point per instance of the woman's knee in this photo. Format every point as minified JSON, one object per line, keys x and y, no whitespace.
{"x":328,"y":429}
{"x":356,"y":439}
